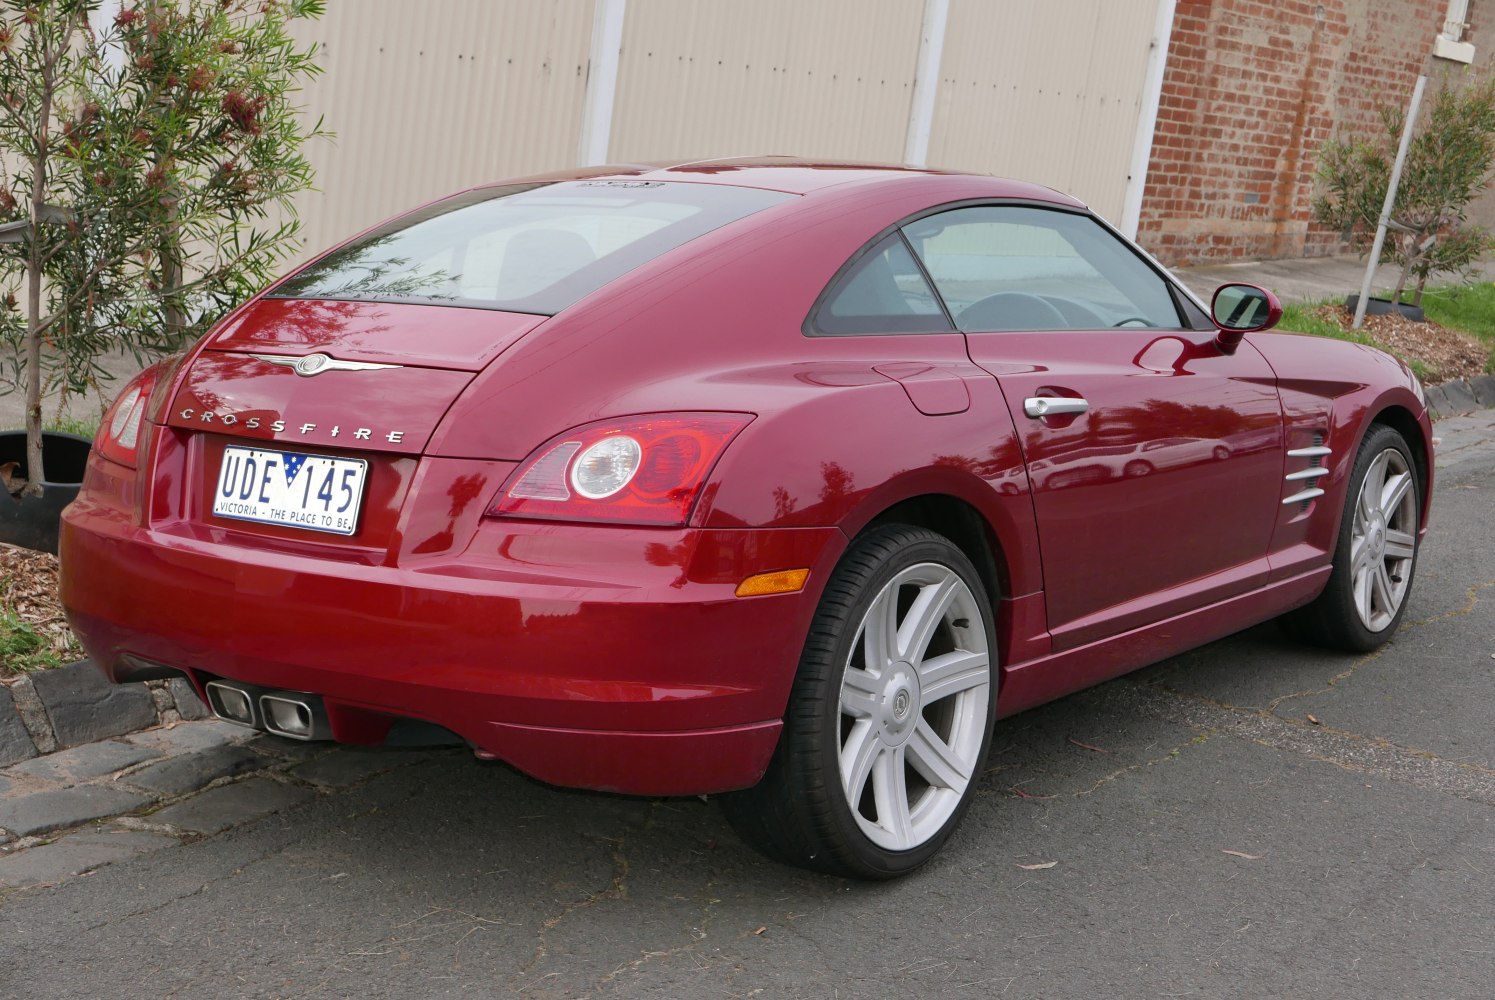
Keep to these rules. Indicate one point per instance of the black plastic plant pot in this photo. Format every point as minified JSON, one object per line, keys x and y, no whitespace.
{"x":32,"y":522}
{"x":1385,"y":307}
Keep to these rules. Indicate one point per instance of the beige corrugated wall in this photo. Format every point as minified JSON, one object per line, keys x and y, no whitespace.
{"x":830,"y":78}
{"x":428,"y":96}
{"x":1046,"y":92}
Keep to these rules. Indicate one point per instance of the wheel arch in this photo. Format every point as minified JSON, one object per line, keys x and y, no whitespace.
{"x":963,"y":525}
{"x":1402,"y":420}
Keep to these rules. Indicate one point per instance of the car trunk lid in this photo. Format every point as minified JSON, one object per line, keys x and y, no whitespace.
{"x":380,"y":379}
{"x":446,"y":337}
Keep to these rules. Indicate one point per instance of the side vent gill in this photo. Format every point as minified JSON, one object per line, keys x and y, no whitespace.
{"x":1309,"y":477}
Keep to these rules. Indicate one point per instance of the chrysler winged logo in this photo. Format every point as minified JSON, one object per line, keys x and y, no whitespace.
{"x":316,"y":364}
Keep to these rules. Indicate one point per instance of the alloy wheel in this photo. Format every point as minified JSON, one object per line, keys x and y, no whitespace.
{"x":1383,"y":540}
{"x":914,"y":700}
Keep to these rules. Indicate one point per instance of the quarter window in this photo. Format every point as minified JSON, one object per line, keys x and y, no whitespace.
{"x":883,"y":292}
{"x":1011,"y":267}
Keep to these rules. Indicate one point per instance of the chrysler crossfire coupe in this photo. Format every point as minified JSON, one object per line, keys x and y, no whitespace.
{"x":771,"y":478}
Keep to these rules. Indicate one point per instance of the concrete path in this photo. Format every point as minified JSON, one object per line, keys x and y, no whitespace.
{"x":1302,"y":280}
{"x":120,"y":365}
{"x":1252,"y":819}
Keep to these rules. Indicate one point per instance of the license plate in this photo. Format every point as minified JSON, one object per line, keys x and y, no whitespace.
{"x":316,"y":492}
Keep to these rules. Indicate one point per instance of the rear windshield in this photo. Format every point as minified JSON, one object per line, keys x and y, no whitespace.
{"x":532,"y":248}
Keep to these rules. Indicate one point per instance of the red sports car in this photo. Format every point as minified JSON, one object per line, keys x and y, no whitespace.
{"x":715,"y":478}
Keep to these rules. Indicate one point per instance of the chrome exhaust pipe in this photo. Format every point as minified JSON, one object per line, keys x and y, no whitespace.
{"x":234,"y":702}
{"x":294,"y":715}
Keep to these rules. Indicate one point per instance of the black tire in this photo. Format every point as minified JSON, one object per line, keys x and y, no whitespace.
{"x":799,"y":813}
{"x":1332,"y":619}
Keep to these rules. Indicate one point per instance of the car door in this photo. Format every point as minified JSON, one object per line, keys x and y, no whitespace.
{"x":1155,"y":459}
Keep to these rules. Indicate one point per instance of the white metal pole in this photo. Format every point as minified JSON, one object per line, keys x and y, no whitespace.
{"x":1147,"y":123}
{"x":926,"y":82}
{"x":1396,"y":179}
{"x":602,"y":81}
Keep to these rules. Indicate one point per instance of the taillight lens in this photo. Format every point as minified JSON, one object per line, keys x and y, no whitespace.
{"x":636,"y":470}
{"x":124,"y":427}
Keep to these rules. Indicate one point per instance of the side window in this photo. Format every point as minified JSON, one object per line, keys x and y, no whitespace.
{"x":883,"y":292}
{"x":1010,"y":267}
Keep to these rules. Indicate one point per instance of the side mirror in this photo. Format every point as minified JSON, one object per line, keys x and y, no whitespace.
{"x":1239,"y":309}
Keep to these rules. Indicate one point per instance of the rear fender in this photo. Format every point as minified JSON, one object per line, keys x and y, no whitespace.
{"x":843,"y":458}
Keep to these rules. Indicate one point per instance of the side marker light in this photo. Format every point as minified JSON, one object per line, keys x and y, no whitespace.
{"x":784,"y":581}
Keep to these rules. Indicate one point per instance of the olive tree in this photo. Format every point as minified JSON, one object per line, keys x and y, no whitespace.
{"x":156,"y":158}
{"x":1449,"y":162}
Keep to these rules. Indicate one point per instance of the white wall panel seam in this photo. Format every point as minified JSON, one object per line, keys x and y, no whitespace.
{"x":926,"y":82}
{"x":601,"y":81}
{"x":1147,"y":121}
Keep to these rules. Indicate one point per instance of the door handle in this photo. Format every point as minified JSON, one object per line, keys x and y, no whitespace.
{"x":1048,"y":406}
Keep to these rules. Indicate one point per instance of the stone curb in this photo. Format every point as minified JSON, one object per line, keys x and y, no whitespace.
{"x":1461,"y":396}
{"x":52,"y":710}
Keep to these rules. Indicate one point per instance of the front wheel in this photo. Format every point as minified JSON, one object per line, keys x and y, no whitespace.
{"x":890,"y":716}
{"x":1375,"y":555}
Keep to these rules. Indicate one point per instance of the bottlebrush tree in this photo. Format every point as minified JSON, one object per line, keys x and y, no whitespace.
{"x":155,"y":158}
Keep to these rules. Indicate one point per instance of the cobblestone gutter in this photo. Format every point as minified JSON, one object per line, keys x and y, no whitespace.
{"x":51,"y":710}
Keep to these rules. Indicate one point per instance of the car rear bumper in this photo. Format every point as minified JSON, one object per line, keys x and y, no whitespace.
{"x":649,"y":677}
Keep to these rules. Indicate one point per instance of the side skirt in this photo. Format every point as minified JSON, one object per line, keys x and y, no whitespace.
{"x":1033,"y":682}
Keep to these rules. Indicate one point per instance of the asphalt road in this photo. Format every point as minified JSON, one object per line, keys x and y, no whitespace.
{"x":1363,"y":864}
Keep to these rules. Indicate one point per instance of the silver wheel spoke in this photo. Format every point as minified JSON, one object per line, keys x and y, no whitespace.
{"x":890,"y":792}
{"x":859,"y":693}
{"x":1375,"y":480}
{"x":1361,"y":581}
{"x":1357,"y":550}
{"x":1394,"y":491}
{"x":857,"y":757}
{"x":935,"y":760}
{"x":924,"y":617}
{"x":880,"y":631}
{"x":953,"y":673}
{"x":1400,"y":545}
{"x":1381,"y":590}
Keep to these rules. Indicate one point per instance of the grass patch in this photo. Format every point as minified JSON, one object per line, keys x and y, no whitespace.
{"x":1304,"y":318}
{"x":22,"y":648}
{"x":1467,"y":308}
{"x":86,"y":427}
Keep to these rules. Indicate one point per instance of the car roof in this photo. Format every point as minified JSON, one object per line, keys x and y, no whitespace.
{"x":802,"y":176}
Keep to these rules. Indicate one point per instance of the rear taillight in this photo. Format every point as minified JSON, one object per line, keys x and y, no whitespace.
{"x":635,"y":470}
{"x":124,"y":427}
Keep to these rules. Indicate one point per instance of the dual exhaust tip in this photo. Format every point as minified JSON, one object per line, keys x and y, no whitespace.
{"x":290,"y":714}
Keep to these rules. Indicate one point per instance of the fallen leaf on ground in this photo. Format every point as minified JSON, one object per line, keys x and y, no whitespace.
{"x":1038,"y":867}
{"x":1087,"y":746}
{"x":761,"y":931}
{"x":1240,"y":854}
{"x":1026,"y":795}
{"x":1314,"y":719}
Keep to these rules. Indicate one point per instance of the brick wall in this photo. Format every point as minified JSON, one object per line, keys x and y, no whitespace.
{"x":1252,"y":91}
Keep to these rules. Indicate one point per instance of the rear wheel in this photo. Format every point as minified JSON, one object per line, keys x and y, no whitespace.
{"x":1375,"y":555}
{"x":890,"y":716}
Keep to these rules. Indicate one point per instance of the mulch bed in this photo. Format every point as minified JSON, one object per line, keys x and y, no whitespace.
{"x":28,"y":590}
{"x":1446,"y":354}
